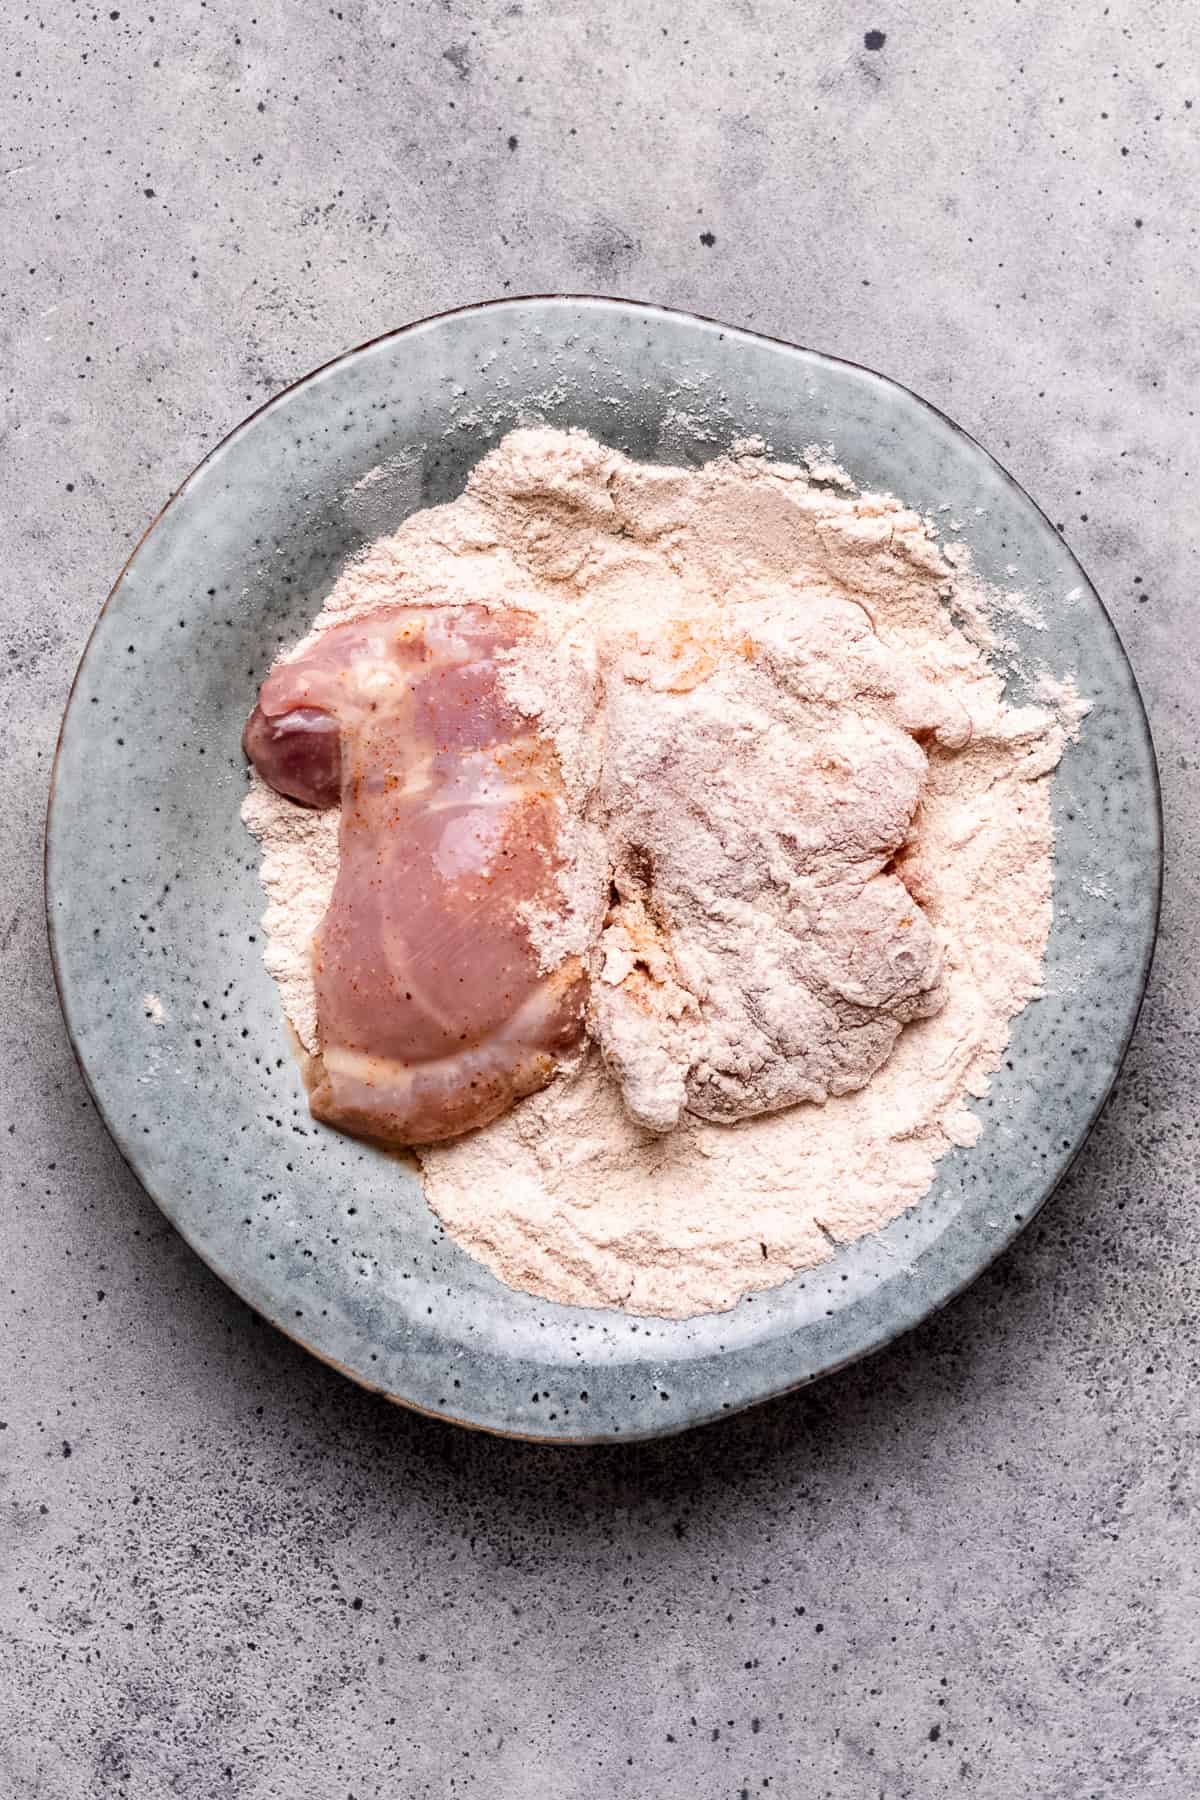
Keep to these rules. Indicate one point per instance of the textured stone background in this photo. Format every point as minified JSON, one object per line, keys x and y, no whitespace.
{"x":968,"y":1567}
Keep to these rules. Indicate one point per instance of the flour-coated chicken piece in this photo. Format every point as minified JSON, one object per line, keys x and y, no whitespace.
{"x":759,"y":951}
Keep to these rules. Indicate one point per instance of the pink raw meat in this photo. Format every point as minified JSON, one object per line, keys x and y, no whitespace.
{"x":433,"y":1013}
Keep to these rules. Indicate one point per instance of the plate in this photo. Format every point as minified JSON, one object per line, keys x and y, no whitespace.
{"x":153,"y":897}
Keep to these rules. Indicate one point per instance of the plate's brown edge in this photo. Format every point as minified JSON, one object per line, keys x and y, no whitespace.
{"x":1005,"y":1241}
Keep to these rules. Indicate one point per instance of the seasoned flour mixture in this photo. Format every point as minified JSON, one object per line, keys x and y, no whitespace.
{"x":809,"y":861}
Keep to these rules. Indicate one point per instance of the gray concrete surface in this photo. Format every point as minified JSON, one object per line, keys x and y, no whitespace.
{"x":969,"y":1567}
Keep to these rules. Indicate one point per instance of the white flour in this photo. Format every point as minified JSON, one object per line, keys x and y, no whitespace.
{"x":730,"y":607}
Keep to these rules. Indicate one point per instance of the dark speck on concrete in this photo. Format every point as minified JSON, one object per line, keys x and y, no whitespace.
{"x":459,"y":58}
{"x":875,"y":40}
{"x":708,"y":239}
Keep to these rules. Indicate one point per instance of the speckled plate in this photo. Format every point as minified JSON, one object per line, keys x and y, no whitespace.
{"x":153,"y":896}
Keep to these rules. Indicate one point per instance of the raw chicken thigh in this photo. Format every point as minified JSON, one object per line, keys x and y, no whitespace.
{"x":433,"y":1013}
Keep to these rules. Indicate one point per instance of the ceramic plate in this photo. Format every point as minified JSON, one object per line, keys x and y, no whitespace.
{"x":153,"y":895}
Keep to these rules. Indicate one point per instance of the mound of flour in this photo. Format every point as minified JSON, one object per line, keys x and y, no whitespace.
{"x":680,"y":586}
